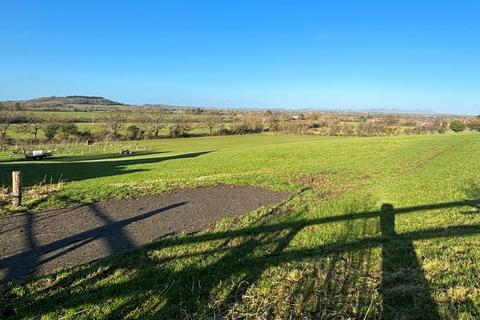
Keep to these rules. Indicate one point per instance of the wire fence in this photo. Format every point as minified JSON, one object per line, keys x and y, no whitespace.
{"x":72,"y":149}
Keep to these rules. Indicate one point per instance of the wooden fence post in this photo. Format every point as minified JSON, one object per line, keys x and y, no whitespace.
{"x":16,"y":188}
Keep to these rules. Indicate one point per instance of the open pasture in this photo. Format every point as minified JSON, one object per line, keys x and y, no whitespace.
{"x":381,"y":227}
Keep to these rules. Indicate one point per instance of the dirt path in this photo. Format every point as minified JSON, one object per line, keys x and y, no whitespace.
{"x":38,"y":243}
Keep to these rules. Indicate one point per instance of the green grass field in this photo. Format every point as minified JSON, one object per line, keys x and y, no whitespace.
{"x":382,"y":227}
{"x":16,"y":130}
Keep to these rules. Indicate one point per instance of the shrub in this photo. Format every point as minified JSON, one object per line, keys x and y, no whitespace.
{"x":133,"y":132}
{"x":67,"y":130}
{"x":51,"y":130}
{"x":179,"y":130}
{"x":457,"y":126}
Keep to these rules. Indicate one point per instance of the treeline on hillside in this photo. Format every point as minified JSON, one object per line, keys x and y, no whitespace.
{"x":86,"y":100}
{"x":65,"y":104}
{"x":153,"y":123}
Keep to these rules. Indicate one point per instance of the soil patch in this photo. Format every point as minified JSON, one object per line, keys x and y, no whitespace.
{"x":38,"y":243}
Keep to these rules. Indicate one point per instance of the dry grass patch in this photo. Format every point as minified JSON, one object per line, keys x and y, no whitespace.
{"x":326,"y":185}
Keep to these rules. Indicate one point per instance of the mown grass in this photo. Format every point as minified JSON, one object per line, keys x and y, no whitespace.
{"x":376,"y":228}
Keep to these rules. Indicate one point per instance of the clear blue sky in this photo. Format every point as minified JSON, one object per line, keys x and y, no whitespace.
{"x":326,"y":54}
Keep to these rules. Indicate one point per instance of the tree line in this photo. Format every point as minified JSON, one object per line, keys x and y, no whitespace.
{"x":148,"y":123}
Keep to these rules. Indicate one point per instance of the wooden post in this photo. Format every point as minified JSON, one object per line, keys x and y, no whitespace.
{"x":16,"y":188}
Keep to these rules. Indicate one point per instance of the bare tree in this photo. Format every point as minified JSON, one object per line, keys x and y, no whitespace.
{"x":114,"y":120}
{"x":270,"y":121}
{"x":255,"y":122}
{"x":155,"y":121}
{"x":180,"y":126}
{"x":212,"y":121}
{"x":33,"y":125}
{"x":7,"y":115}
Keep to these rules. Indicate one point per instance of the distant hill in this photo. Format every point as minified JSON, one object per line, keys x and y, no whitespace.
{"x":62,"y":102}
{"x":69,"y":102}
{"x":74,"y":100}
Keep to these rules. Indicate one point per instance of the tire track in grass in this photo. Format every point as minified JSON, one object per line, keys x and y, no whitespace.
{"x":417,"y":164}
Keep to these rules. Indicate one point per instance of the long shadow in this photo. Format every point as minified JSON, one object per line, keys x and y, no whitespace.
{"x":241,"y":257}
{"x":62,"y":212}
{"x":37,"y":171}
{"x":310,"y":222}
{"x":27,"y":262}
{"x":116,"y":239}
{"x":30,"y":243}
{"x":85,"y":157}
{"x":404,"y":287}
{"x":105,"y":156}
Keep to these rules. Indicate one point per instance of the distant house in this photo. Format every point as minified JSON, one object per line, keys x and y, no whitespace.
{"x":425,"y":123}
{"x":375,"y":120}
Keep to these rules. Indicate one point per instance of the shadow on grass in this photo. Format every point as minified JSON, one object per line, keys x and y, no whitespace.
{"x":37,"y":171}
{"x":220,"y":267}
{"x":85,"y":157}
{"x":27,"y":262}
{"x":105,"y":156}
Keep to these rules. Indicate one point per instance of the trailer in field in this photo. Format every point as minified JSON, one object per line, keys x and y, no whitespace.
{"x":38,"y":155}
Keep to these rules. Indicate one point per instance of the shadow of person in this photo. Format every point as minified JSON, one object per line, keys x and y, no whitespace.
{"x":406,"y":293}
{"x":224,"y":264}
{"x":473,"y":192}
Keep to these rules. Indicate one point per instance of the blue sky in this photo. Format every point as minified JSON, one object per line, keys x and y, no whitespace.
{"x":297,"y":54}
